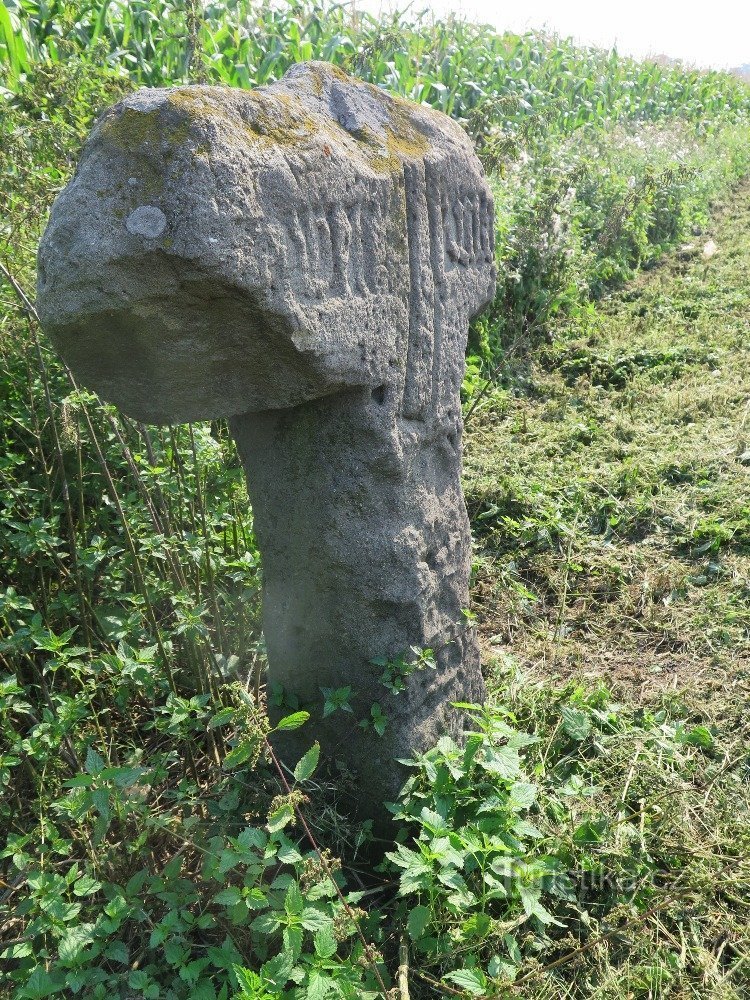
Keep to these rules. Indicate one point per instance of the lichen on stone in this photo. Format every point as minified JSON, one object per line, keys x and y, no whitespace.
{"x":128,"y":128}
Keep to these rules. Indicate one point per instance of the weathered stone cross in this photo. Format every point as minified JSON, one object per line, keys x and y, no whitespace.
{"x":303,"y":259}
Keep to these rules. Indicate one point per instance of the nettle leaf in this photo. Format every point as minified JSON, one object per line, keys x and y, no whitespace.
{"x":278,"y":969}
{"x":86,"y":886}
{"x":473,"y":742}
{"x":522,"y":796}
{"x":575,"y":723}
{"x":307,"y":765}
{"x":319,"y":986}
{"x":530,"y":895}
{"x":698,"y":736}
{"x":117,"y":907}
{"x":446,"y":853}
{"x":293,"y":941}
{"x":118,"y":951}
{"x":477,"y":925}
{"x":525,"y":829}
{"x":61,"y":910}
{"x":412,"y":862}
{"x":241,"y":753}
{"x":252,"y":836}
{"x":452,"y":879}
{"x":94,"y":762}
{"x":288,"y":853}
{"x":75,"y":941}
{"x":281,"y":817}
{"x":517,"y":741}
{"x":293,"y":721}
{"x":325,"y":943}
{"x":222,"y":718}
{"x":501,"y":968}
{"x":42,"y":984}
{"x":247,"y":980}
{"x":255,"y":898}
{"x":313,"y":920}
{"x":293,"y":902}
{"x":419,"y":918}
{"x":590,"y":831}
{"x":266,"y":923}
{"x":326,"y":888}
{"x":473,"y":981}
{"x":513,"y":950}
{"x":433,"y":821}
{"x":530,"y":899}
{"x":228,"y":897}
{"x":502,"y":761}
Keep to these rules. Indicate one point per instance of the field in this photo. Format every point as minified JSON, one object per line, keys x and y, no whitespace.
{"x":148,"y":845}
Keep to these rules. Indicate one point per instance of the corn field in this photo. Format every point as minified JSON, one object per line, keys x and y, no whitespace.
{"x":451,"y":64}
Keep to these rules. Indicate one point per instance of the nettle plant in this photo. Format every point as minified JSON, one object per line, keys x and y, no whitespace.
{"x":473,"y":871}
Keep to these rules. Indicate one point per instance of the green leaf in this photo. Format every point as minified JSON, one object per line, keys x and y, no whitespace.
{"x":530,"y":896}
{"x":590,"y":832}
{"x":513,"y":950}
{"x":252,"y":836}
{"x":117,"y":951}
{"x":86,"y":886}
{"x":501,"y":968}
{"x":473,"y":743}
{"x":278,"y":969}
{"x":41,"y":984}
{"x":94,"y":763}
{"x":502,"y":761}
{"x":293,"y":721}
{"x":266,"y":923}
{"x":307,"y":765}
{"x":313,"y":920}
{"x":228,"y":897}
{"x":522,"y":796}
{"x":241,"y":753}
{"x":477,"y":925}
{"x":575,"y":723}
{"x":75,"y":941}
{"x":117,"y":907}
{"x":319,"y":986}
{"x":222,"y":718}
{"x":419,"y":918}
{"x":293,"y":902}
{"x":280,"y":818}
{"x":325,"y":943}
{"x":471,"y":980}
{"x":698,"y":736}
{"x":249,"y":982}
{"x":293,"y":941}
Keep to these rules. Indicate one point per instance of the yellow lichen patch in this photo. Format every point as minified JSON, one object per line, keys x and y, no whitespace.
{"x":272,"y":120}
{"x":323,"y":71}
{"x":402,"y":141}
{"x":131,"y":128}
{"x":278,"y":120}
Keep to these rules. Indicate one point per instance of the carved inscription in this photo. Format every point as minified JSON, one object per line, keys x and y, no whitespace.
{"x":334,"y":249}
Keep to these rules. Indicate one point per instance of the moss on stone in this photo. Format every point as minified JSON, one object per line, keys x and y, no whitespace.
{"x":129,"y":128}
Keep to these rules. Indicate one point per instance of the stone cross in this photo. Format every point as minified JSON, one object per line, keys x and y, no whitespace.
{"x":303,"y":259}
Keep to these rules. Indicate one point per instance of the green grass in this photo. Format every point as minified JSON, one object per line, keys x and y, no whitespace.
{"x":609,"y":483}
{"x":148,"y":845}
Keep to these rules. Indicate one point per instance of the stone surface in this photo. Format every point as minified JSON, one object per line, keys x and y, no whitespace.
{"x":303,"y":259}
